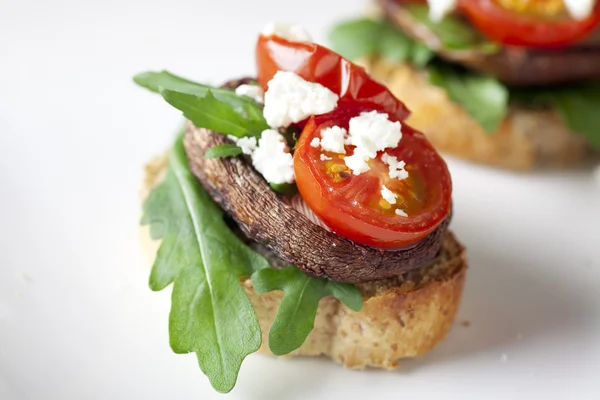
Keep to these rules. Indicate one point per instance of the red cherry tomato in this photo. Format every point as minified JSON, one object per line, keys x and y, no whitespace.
{"x":316,"y":63}
{"x":352,"y":205}
{"x":513,"y":28}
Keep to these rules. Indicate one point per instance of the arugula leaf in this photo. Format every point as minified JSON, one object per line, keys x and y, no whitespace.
{"x":453,"y":32}
{"x":252,"y":111}
{"x":153,"y":81}
{"x":354,"y":39}
{"x":223,"y":150}
{"x":579,"y":108}
{"x":298,"y":309}
{"x":208,"y":112}
{"x":210,"y":313}
{"x":421,"y":54}
{"x":286,"y":189}
{"x":484,"y":98}
{"x":578,"y":105}
{"x":367,"y":37}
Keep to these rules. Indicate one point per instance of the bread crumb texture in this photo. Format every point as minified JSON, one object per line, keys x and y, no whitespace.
{"x":401,"y":317}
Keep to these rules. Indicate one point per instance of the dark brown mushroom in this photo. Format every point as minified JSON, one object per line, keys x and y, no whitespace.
{"x":517,"y":66}
{"x":266,"y":218}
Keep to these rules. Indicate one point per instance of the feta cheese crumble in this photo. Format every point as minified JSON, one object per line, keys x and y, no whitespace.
{"x":357,"y":162}
{"x":388,"y":195}
{"x":333,"y":139}
{"x":370,"y":132}
{"x":439,"y":8}
{"x":396,"y":167}
{"x":255,"y":92}
{"x":316,"y":142}
{"x":401,"y":213}
{"x":273,"y":159}
{"x":579,"y":9}
{"x":247,"y":144}
{"x":291,"y":32}
{"x":289,"y":98}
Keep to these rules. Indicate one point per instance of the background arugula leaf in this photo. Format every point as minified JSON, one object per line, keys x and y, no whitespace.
{"x":223,"y":150}
{"x":421,"y":54}
{"x":296,"y":315}
{"x":358,"y":38}
{"x":155,"y":80}
{"x":368,"y":37}
{"x":208,"y":112}
{"x":394,"y":45}
{"x":578,"y":105}
{"x":454,"y":33}
{"x":210,"y":313}
{"x":484,"y":98}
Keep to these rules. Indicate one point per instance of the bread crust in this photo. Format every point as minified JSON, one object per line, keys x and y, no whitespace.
{"x":526,"y":138}
{"x":402,"y":321}
{"x":404,"y":316}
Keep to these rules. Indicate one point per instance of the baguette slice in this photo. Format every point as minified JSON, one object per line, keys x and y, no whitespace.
{"x":404,"y":316}
{"x":526,"y":138}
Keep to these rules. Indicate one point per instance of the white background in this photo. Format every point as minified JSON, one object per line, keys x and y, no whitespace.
{"x":77,"y":320}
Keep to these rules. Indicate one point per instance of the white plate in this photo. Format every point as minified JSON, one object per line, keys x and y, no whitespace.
{"x":77,"y":320}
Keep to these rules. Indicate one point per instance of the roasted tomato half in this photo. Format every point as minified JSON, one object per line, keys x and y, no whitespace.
{"x":316,"y":63}
{"x":353,"y":206}
{"x":534,"y":23}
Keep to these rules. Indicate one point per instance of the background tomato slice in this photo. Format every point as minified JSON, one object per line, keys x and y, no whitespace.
{"x":510,"y":27}
{"x":351,"y":204}
{"x":316,"y":63}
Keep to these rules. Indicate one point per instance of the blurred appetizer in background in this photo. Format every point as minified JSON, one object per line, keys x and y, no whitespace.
{"x":511,"y":83}
{"x":299,"y":214}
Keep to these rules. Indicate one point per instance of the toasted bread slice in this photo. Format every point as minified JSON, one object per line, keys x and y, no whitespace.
{"x":403,"y":316}
{"x":526,"y":138}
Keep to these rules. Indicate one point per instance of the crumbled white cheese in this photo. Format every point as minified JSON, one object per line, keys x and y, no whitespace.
{"x":333,"y":139}
{"x":255,"y":92}
{"x":325,"y":158}
{"x":401,"y":213}
{"x":289,"y":98}
{"x":247,"y":144}
{"x":439,"y":8}
{"x":357,"y":162}
{"x":580,"y":9}
{"x":291,"y":32}
{"x":273,"y":159}
{"x":396,"y":167}
{"x":316,"y":142}
{"x":388,"y":195}
{"x":370,"y":132}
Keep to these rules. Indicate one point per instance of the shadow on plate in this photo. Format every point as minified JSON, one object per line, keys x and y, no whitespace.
{"x":509,"y":301}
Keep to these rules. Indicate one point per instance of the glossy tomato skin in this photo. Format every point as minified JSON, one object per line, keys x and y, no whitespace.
{"x":511,"y":28}
{"x":316,"y":63}
{"x":349,"y":207}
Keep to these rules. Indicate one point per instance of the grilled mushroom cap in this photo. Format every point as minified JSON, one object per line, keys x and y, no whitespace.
{"x":266,"y":218}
